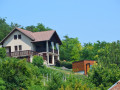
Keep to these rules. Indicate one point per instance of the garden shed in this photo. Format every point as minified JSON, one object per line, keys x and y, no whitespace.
{"x":82,"y":66}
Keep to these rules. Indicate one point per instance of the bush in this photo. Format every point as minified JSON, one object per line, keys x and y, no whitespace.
{"x":104,"y":76}
{"x":2,"y":84}
{"x":38,"y":61}
{"x":19,"y":74}
{"x":55,"y":82}
{"x":2,"y":52}
{"x":66,"y":64}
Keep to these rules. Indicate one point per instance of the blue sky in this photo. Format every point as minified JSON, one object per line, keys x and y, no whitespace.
{"x":89,"y":20}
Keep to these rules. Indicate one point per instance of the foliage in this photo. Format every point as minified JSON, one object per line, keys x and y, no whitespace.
{"x":2,"y":53}
{"x":70,"y":48}
{"x":2,"y":84}
{"x":38,"y":28}
{"x":55,"y":82}
{"x":66,"y":64}
{"x":19,"y":74}
{"x":104,"y":76}
{"x":7,"y":28}
{"x":38,"y":61}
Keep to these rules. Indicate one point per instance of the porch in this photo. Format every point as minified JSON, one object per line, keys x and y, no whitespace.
{"x":21,"y":53}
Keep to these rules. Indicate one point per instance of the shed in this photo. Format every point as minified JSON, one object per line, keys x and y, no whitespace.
{"x":82,"y":66}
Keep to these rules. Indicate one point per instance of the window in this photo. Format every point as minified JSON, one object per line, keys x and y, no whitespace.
{"x":15,"y":36}
{"x":16,"y":48}
{"x":19,"y":36}
{"x":20,"y":47}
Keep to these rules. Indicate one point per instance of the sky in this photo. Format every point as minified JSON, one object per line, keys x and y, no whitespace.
{"x":89,"y":20}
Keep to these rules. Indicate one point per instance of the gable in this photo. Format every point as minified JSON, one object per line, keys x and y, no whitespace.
{"x":55,"y":38}
{"x":12,"y":33}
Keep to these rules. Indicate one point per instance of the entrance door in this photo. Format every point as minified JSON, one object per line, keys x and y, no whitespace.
{"x":50,"y":59}
{"x":87,"y":67}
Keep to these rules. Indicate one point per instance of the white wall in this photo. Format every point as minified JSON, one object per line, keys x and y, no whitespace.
{"x":24,"y":41}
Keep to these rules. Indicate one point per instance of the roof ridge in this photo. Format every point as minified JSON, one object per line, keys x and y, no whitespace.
{"x":44,"y":31}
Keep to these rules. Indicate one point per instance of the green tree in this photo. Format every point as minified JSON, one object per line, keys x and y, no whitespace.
{"x":4,"y":28}
{"x":70,"y":49}
{"x":30,"y":28}
{"x":38,"y":28}
{"x":104,"y":76}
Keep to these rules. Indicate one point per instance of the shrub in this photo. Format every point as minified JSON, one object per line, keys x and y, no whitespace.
{"x":19,"y":74}
{"x":104,"y":76}
{"x":38,"y":61}
{"x":55,"y":82}
{"x":2,"y":84}
{"x":66,"y":64}
{"x":2,"y":53}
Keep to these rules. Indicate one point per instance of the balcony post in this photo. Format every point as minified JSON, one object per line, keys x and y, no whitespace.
{"x":31,"y":57}
{"x":58,"y":52}
{"x":52,"y":52}
{"x":47,"y":50}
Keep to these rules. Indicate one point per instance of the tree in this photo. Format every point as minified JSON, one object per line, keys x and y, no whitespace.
{"x":104,"y":76}
{"x":30,"y":28}
{"x":70,"y":49}
{"x":38,"y":28}
{"x":4,"y":28}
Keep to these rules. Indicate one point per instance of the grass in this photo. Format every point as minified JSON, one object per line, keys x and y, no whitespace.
{"x":66,"y":71}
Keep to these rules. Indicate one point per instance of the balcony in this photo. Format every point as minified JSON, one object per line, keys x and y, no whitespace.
{"x":22,"y":53}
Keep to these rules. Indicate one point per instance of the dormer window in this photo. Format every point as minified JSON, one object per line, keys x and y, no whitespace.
{"x":19,"y":36}
{"x":15,"y":36}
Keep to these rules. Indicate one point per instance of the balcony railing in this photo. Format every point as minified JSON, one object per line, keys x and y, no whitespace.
{"x":22,"y":53}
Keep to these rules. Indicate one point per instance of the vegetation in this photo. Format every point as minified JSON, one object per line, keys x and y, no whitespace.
{"x":6,"y":28}
{"x":2,"y":52}
{"x":19,"y":74}
{"x":38,"y":61}
{"x":70,"y":49}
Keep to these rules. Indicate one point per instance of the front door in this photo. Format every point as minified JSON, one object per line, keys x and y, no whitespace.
{"x":87,"y":67}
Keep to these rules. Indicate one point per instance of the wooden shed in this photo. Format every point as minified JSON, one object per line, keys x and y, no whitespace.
{"x":82,"y":66}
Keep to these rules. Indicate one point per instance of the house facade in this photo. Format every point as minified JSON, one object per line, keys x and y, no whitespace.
{"x":21,"y":43}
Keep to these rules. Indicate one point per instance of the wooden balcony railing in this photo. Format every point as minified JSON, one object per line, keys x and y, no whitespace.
{"x":22,"y":53}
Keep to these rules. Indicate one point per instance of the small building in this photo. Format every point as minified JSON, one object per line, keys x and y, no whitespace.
{"x":82,"y":66}
{"x":116,"y":86}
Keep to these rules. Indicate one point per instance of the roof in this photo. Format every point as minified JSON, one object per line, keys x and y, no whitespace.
{"x":83,"y":60}
{"x":116,"y":86}
{"x":35,"y":36}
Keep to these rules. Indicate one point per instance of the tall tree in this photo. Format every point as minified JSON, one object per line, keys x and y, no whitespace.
{"x":38,"y":28}
{"x":70,"y":49}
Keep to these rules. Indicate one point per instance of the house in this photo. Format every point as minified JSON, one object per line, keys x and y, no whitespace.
{"x":21,"y":43}
{"x":116,"y":86}
{"x":82,"y":66}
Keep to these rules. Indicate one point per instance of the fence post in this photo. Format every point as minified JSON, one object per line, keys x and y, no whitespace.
{"x":47,"y":77}
{"x":44,"y":79}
